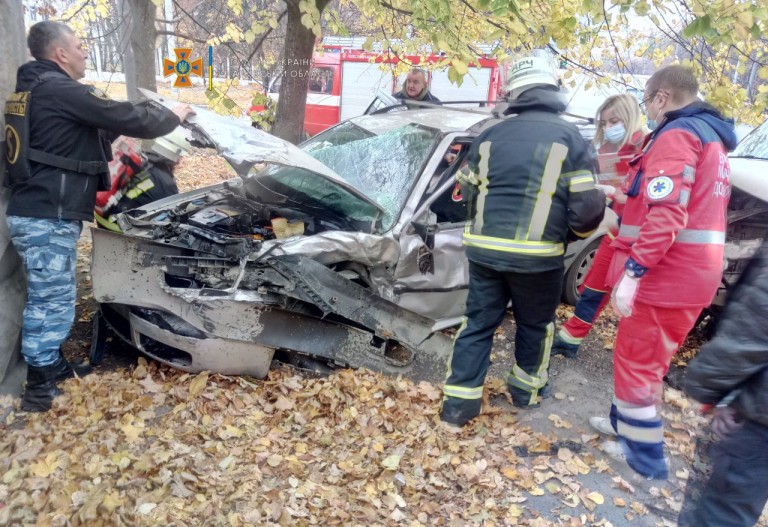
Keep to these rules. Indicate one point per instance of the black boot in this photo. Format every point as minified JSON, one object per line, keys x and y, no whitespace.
{"x":63,"y":370}
{"x":41,"y":389}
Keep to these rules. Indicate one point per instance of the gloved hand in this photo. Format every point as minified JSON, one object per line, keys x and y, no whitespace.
{"x":608,"y":190}
{"x":623,"y":295}
{"x":726,"y":421}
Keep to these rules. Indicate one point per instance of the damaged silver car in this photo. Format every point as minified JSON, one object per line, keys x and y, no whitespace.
{"x":347,"y":250}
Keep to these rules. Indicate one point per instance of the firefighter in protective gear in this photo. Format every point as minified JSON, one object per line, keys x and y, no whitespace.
{"x":530,"y":189}
{"x":54,"y":188}
{"x":669,"y":255}
{"x":139,"y":178}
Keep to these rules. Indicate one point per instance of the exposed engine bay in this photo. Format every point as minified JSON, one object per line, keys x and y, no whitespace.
{"x":228,"y":225}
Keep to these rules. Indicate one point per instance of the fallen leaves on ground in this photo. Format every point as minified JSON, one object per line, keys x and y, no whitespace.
{"x":155,"y":446}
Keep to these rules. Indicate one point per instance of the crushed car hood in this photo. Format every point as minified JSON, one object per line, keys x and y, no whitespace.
{"x":244,"y":146}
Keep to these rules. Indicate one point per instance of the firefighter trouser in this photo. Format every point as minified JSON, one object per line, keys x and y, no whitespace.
{"x":594,"y":296}
{"x":48,"y":250}
{"x":534,"y":296}
{"x":645,"y":344}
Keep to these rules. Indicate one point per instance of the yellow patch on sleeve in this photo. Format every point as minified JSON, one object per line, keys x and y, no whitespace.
{"x":99,"y":94}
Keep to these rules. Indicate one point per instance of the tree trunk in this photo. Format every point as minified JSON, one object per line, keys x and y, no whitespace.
{"x":12,"y":282}
{"x":143,"y":38}
{"x":126,"y":50}
{"x":297,"y":57}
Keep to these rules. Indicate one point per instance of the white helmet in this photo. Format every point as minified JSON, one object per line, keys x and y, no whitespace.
{"x":528,"y":73}
{"x":170,"y":146}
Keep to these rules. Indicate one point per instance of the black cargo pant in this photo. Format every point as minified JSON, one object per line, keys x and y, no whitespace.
{"x":534,"y":296}
{"x":737,"y":489}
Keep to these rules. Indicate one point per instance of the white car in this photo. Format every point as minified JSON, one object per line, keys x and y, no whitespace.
{"x":347,"y":249}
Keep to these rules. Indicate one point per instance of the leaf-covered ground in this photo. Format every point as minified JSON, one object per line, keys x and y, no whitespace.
{"x":140,"y":444}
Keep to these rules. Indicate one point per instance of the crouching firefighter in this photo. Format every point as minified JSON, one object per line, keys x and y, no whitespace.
{"x":140,"y":176}
{"x":531,"y":188}
{"x":55,"y":161}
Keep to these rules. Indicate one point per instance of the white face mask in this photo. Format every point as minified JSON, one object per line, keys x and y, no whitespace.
{"x":615,"y":134}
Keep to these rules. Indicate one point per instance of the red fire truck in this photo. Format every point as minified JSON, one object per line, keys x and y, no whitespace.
{"x":343,"y":82}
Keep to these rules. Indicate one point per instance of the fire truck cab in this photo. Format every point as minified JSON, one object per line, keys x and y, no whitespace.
{"x":342,"y":83}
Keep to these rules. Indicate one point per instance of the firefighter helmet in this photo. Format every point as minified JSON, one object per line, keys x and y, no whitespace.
{"x":170,"y":146}
{"x":530,"y":72}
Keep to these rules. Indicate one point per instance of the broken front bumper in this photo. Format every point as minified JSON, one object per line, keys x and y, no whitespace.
{"x":292,"y":303}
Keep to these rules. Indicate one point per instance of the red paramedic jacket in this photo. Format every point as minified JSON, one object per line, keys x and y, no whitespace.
{"x":675,"y":218}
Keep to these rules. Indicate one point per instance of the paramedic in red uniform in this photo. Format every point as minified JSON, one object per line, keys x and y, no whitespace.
{"x":618,"y":138}
{"x":669,"y":257}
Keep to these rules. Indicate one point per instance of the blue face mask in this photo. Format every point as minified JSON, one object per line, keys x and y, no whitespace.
{"x":615,"y":134}
{"x":651,"y":124}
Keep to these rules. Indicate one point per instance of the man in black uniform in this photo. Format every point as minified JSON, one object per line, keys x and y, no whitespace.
{"x":56,"y":159}
{"x":530,"y":189}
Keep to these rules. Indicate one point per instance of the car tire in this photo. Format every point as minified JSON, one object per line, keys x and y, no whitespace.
{"x":578,"y":270}
{"x":98,"y":339}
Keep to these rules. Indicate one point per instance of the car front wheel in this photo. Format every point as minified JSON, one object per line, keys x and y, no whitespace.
{"x":577,"y":272}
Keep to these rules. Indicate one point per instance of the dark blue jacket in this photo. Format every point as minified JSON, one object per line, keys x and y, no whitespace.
{"x":531,"y":188}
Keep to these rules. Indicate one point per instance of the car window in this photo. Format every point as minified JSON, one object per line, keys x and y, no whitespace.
{"x":384,"y":167}
{"x":321,"y":80}
{"x":755,"y":144}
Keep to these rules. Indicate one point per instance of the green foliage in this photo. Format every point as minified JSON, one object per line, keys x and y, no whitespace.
{"x":263,"y":119}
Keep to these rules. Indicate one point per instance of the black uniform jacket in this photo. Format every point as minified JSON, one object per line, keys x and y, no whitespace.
{"x":65,"y":119}
{"x":428,"y":97}
{"x":531,"y":188}
{"x":737,"y":358}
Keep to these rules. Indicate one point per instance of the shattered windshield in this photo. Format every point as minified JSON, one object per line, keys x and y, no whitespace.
{"x":381,"y":166}
{"x":755,"y":145}
{"x":301,"y":189}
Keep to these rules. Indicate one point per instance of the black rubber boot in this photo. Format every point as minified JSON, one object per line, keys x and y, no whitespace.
{"x":522,"y":399}
{"x":459,"y":412}
{"x":64,"y":370}
{"x":560,"y":347}
{"x":41,"y":389}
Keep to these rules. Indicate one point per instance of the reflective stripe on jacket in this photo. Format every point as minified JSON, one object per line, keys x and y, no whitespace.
{"x":675,"y":218}
{"x":530,"y":183}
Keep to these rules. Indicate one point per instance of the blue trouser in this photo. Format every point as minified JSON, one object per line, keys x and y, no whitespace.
{"x":535,"y":297}
{"x":737,"y":489}
{"x":48,"y":249}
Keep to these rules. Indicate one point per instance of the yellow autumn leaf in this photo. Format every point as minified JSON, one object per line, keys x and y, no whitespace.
{"x":596,"y":497}
{"x":229,"y":431}
{"x":198,"y":383}
{"x":45,"y":467}
{"x":461,"y":66}
{"x":509,"y":472}
{"x":391,"y":462}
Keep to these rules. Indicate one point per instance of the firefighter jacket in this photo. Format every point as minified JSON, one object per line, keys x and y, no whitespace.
{"x":736,"y":359}
{"x":65,"y":119}
{"x":530,"y":187}
{"x":675,"y":218}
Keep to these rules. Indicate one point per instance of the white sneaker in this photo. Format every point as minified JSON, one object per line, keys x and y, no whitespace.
{"x":602,"y":425}
{"x":614,"y":450}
